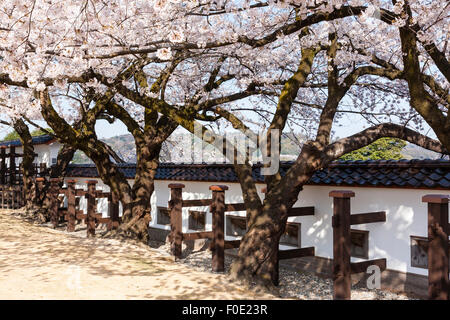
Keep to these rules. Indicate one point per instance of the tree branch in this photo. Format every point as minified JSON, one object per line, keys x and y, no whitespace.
{"x":366,"y":137}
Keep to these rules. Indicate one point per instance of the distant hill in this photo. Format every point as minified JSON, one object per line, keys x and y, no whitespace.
{"x":411,"y":151}
{"x":124,"y":146}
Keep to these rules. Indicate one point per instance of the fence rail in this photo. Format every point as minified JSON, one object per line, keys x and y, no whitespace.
{"x":11,"y":197}
{"x":72,"y":214}
{"x":218,"y":208}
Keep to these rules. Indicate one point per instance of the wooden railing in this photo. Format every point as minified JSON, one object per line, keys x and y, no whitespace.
{"x":72,"y":214}
{"x":438,"y":246}
{"x":13,"y":173}
{"x":11,"y":197}
{"x":218,"y":208}
{"x":341,"y":221}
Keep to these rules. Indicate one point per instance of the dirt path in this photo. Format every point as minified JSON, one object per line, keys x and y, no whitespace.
{"x":41,"y":263}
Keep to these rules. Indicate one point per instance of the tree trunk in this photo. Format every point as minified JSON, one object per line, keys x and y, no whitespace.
{"x":135,"y":214}
{"x":257,"y":258}
{"x":420,"y":99}
{"x":258,"y":253}
{"x":65,"y":155}
{"x":27,"y":160}
{"x":135,"y":201}
{"x":135,"y":222}
{"x":144,"y":185}
{"x":148,"y":141}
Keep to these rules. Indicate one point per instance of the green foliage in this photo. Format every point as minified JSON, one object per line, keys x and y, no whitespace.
{"x":40,"y":132}
{"x":382,"y":149}
{"x":13,"y":135}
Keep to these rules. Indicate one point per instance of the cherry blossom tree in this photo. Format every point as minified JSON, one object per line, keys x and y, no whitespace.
{"x":14,"y":115}
{"x":61,"y":44}
{"x":158,"y":64}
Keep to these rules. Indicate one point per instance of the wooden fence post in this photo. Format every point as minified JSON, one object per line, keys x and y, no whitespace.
{"x":341,"y":244}
{"x":53,"y":193}
{"x":71,"y":211}
{"x":218,"y":226}
{"x":3,"y":165}
{"x":438,"y":232}
{"x":113,"y":211}
{"x":42,"y":169}
{"x":176,"y":218}
{"x":18,"y":198}
{"x":91,"y":208}
{"x":12,"y":165}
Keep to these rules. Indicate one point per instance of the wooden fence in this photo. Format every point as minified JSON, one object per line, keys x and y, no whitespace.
{"x":11,"y":197}
{"x":11,"y":178}
{"x":438,"y":245}
{"x":71,"y":212}
{"x":13,"y":173}
{"x":341,"y":221}
{"x":218,"y":208}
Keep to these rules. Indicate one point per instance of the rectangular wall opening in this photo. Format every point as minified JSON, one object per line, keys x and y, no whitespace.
{"x":359,"y":244}
{"x":235,"y":226}
{"x":196,"y":220}
{"x":291,"y":236}
{"x":163,"y":216}
{"x":419,"y":252}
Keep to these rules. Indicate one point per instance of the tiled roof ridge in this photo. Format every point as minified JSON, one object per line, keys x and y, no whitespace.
{"x":44,"y":138}
{"x":430,"y":174}
{"x":410,"y":163}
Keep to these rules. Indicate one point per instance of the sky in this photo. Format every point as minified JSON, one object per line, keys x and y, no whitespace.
{"x":351,"y":124}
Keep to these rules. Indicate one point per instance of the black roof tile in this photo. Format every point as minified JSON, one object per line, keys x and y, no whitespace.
{"x":444,"y":183}
{"x":390,"y":173}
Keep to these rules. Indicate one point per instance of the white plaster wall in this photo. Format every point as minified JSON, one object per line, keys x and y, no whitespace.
{"x":43,"y":154}
{"x":406,"y":216}
{"x":53,"y":150}
{"x":102,"y":204}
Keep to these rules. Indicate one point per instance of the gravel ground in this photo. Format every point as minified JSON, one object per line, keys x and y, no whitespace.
{"x":296,"y":285}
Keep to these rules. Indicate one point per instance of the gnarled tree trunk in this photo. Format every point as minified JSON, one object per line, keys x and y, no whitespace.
{"x":144,"y":185}
{"x":258,"y":253}
{"x":58,"y":170}
{"x":27,"y":160}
